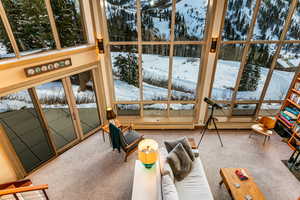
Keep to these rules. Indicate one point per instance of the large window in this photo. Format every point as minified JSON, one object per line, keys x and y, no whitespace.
{"x":156,"y":19}
{"x":256,"y":62}
{"x":155,"y":72}
{"x":30,"y":24}
{"x":6,"y":50}
{"x":116,"y":13}
{"x":34,"y":28}
{"x":228,"y":66}
{"x":155,"y":51}
{"x":163,"y":40}
{"x":190,"y":19}
{"x":69,"y":22}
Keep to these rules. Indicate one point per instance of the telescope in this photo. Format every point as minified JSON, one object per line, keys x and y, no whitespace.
{"x":212,"y":103}
{"x":211,"y":119}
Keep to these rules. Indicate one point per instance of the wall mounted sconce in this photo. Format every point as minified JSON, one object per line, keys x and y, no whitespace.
{"x":100,"y":45}
{"x":213,"y":46}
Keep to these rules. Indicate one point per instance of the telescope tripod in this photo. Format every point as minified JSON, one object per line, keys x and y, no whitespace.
{"x":208,"y":122}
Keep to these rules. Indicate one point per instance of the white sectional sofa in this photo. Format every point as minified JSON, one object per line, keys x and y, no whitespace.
{"x":192,"y":187}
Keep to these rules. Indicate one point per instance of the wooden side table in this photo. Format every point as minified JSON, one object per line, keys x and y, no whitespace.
{"x":247,"y":187}
{"x":146,"y":182}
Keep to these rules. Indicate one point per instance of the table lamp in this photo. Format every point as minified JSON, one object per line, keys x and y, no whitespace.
{"x":110,"y":115}
{"x":148,"y":152}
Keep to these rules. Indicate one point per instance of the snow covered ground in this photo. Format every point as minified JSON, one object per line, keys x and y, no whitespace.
{"x":185,"y":76}
{"x":49,"y":92}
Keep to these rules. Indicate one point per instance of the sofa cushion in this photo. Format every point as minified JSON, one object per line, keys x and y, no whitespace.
{"x":194,"y":185}
{"x":185,"y":143}
{"x":180,"y":162}
{"x":169,"y":191}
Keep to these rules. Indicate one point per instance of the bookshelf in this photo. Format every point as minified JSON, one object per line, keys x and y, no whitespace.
{"x":289,"y":114}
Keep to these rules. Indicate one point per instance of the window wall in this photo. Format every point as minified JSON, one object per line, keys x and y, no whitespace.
{"x":34,"y":26}
{"x":258,"y":56}
{"x":155,"y":55}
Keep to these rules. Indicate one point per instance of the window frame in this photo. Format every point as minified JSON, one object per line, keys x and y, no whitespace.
{"x":89,"y":33}
{"x":139,"y":43}
{"x":247,"y":43}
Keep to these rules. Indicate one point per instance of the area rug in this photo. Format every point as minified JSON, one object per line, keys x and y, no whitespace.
{"x":295,"y":172}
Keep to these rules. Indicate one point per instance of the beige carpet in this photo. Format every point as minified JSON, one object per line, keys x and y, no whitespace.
{"x":91,"y":171}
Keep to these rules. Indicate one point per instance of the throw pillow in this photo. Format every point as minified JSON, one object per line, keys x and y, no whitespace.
{"x":180,"y":162}
{"x":168,"y":188}
{"x":185,"y":143}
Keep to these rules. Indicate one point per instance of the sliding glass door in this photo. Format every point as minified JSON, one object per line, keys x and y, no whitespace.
{"x":60,"y":118}
{"x":84,"y":93}
{"x":25,"y":129}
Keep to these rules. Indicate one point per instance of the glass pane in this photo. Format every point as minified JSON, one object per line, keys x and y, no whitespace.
{"x":182,"y":110}
{"x":255,"y":72}
{"x":55,"y":106}
{"x":228,"y":67}
{"x":190,"y":19}
{"x":269,"y":109}
{"x":125,"y":69}
{"x":6,"y":50}
{"x":155,"y":72}
{"x":294,"y":29}
{"x":30,"y":25}
{"x":155,"y":109}
{"x":244,"y":109}
{"x":287,"y":64}
{"x":24,"y":129}
{"x":238,"y":19}
{"x":270,"y":19}
{"x":121,"y":20}
{"x":69,"y":22}
{"x":156,"y":19}
{"x":85,"y":97}
{"x":128,"y":109}
{"x":186,"y":66}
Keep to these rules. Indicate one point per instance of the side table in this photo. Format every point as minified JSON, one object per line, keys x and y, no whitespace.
{"x":146,"y":182}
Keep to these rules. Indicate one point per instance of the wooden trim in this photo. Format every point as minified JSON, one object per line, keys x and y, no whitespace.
{"x":53,"y":24}
{"x":73,"y":106}
{"x":204,"y":61}
{"x":171,"y":52}
{"x":23,"y":189}
{"x":155,"y":42}
{"x":9,"y":30}
{"x":152,"y":102}
{"x":74,"y":114}
{"x":30,"y":59}
{"x":98,"y":89}
{"x":83,"y":18}
{"x":140,"y":54}
{"x":47,"y":78}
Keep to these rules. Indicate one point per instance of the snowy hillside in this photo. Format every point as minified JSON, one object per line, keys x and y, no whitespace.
{"x":185,"y":76}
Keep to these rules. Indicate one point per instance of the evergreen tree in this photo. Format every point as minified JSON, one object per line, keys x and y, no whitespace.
{"x":127,"y":68}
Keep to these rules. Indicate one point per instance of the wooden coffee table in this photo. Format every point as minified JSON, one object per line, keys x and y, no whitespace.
{"x":247,"y":187}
